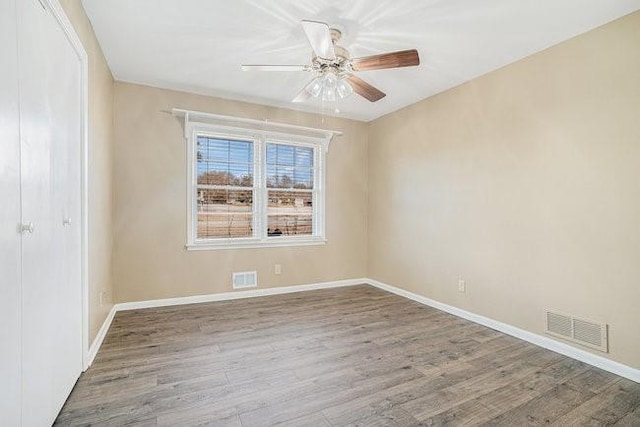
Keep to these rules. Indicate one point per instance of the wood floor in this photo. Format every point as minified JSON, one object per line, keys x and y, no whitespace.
{"x":346,"y":356}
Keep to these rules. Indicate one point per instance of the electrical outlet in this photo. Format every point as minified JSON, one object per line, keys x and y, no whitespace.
{"x":277,"y":269}
{"x":462,"y":286}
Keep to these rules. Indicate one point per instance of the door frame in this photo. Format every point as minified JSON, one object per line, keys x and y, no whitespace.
{"x":56,"y":10}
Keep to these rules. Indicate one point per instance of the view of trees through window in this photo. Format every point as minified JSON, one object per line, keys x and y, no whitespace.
{"x":226,"y":191}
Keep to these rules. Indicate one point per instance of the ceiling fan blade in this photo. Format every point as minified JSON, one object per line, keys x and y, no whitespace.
{"x":402,"y":58}
{"x":304,"y":94}
{"x":365,"y":90}
{"x":276,"y":68}
{"x":320,"y":39}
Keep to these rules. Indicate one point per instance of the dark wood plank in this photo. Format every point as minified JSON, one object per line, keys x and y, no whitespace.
{"x":489,"y":405}
{"x":544,"y":409}
{"x":632,"y":419}
{"x":348,"y":356}
{"x":612,"y":405}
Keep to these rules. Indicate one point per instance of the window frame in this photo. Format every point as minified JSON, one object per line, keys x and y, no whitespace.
{"x":260,"y":139}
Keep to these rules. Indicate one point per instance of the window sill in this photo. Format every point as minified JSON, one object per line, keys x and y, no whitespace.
{"x":207,"y":246}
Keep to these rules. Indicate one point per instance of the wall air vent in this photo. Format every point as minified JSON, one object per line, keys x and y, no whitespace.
{"x":245,"y":279}
{"x":581,"y":331}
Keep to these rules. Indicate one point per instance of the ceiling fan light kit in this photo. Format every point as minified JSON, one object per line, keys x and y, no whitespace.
{"x":334,"y":67}
{"x":327,"y":85}
{"x":344,"y":88}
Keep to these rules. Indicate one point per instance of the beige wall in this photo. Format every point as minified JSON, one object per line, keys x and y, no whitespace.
{"x":100,"y":169}
{"x":525,"y":183}
{"x":150,"y":208}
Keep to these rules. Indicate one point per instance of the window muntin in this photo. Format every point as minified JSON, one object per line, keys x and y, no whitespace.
{"x":252,"y":190}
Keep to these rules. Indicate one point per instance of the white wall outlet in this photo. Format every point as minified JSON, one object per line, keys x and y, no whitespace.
{"x":462,"y":286}
{"x":277,"y":269}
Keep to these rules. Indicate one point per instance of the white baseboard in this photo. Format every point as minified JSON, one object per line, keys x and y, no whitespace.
{"x":226,"y":296}
{"x":97,"y":342}
{"x":539,"y":340}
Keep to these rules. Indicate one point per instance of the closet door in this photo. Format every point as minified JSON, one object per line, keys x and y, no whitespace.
{"x":50,"y":139}
{"x":38,"y":263}
{"x":10,"y":297}
{"x":66,"y":134}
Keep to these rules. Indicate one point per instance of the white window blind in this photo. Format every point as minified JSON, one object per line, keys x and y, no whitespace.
{"x":290,"y":187}
{"x":225,"y":188}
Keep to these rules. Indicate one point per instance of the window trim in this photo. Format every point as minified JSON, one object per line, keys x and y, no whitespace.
{"x":260,"y":139}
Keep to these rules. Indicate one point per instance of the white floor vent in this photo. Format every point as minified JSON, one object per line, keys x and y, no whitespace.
{"x":581,"y":331}
{"x":245,"y":279}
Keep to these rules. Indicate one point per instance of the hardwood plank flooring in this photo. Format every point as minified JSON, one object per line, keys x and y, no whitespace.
{"x":347,"y":356}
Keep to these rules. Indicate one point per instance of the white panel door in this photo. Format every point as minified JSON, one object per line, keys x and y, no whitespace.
{"x":39,"y":266}
{"x":50,"y":162}
{"x":66,"y":137}
{"x":10,"y":297}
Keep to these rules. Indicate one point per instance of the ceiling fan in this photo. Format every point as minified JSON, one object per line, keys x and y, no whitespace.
{"x":334,"y":68}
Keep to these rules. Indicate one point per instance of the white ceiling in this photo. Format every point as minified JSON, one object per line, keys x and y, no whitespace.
{"x":199,"y":45}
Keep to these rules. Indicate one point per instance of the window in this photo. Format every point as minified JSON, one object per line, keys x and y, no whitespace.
{"x":224,"y":188}
{"x":250,"y":188}
{"x":290,"y":177}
